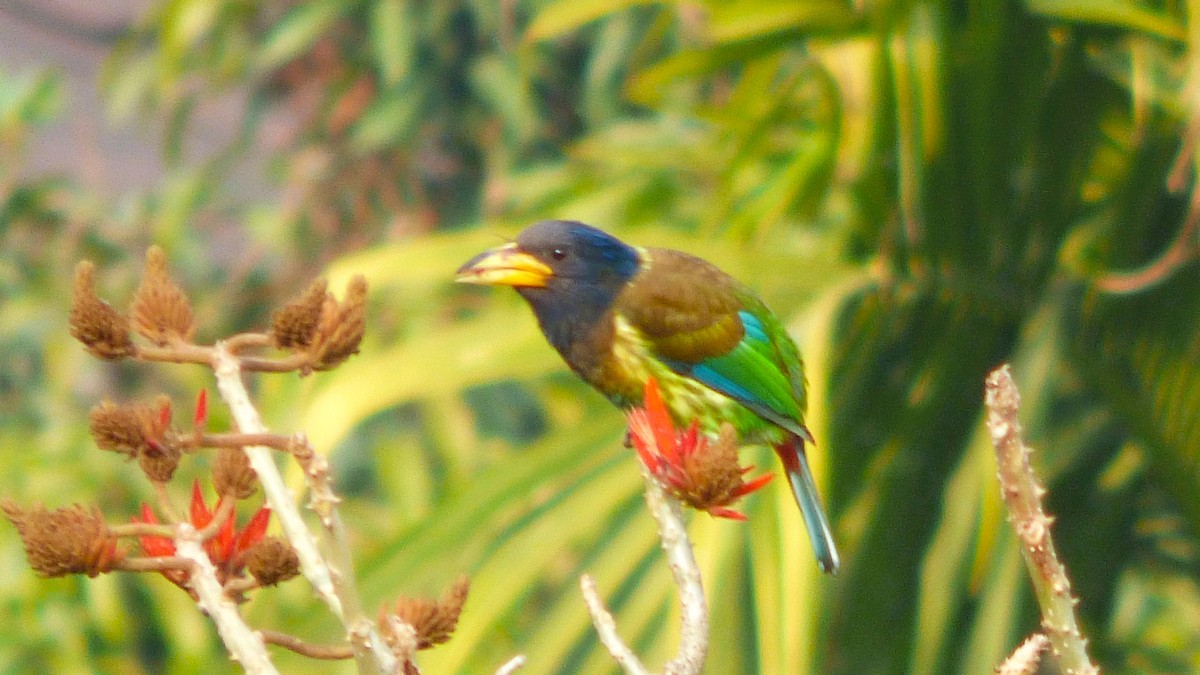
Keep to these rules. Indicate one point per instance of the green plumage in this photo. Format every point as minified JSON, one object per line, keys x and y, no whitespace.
{"x":619,"y":315}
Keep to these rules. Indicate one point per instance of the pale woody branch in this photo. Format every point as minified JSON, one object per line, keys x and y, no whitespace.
{"x":1023,"y":495}
{"x":693,"y":643}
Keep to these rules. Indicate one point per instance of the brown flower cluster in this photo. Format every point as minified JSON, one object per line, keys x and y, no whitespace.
{"x":433,"y":621}
{"x":103,"y":330}
{"x":272,"y":561}
{"x":318,"y":325}
{"x":141,"y":432}
{"x":71,"y":540}
{"x":161,"y":311}
{"x":232,"y":474}
{"x":702,"y":474}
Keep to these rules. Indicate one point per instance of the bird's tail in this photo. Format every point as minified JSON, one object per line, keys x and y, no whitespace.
{"x":795,"y":463}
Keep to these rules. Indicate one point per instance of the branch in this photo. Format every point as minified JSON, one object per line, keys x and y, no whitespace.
{"x":1025,"y":658}
{"x":229,"y":383}
{"x":295,"y":644}
{"x":1023,"y":495}
{"x":511,"y":666}
{"x":606,"y":629}
{"x":334,"y":587}
{"x":244,"y":644}
{"x":693,"y":640}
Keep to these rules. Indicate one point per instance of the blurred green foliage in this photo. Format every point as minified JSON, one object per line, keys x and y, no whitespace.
{"x":926,"y":189}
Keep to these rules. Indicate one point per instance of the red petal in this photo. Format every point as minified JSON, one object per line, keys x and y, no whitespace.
{"x":147,"y":515}
{"x":200,"y":414}
{"x":690,"y":441}
{"x":643,"y":439}
{"x":164,"y":415}
{"x":660,"y":423}
{"x":746,"y":488}
{"x":200,"y":514}
{"x":254,"y":530}
{"x":221,"y":546}
{"x":155,"y":547}
{"x":721,"y":512}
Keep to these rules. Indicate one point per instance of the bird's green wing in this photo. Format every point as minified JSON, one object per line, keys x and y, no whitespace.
{"x":703,"y":324}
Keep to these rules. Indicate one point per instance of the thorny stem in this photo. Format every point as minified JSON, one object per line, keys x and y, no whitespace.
{"x":335,"y":588}
{"x":693,"y":640}
{"x":245,"y":645}
{"x":1023,"y":495}
{"x":1025,"y":658}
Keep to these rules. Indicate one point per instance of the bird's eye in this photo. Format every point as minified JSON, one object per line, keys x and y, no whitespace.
{"x":558,"y":254}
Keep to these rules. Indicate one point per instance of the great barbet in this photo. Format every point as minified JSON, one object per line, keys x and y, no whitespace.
{"x":620,"y":314}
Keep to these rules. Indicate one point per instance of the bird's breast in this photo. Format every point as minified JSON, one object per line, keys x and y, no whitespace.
{"x":629,"y":362}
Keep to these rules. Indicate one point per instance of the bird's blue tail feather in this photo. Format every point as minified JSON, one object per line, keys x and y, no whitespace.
{"x":805,"y":490}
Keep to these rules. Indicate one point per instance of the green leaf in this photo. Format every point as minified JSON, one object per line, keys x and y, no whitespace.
{"x":390,"y":119}
{"x":564,"y":16}
{"x":393,"y":39}
{"x":741,"y":21}
{"x":298,"y":30}
{"x":1126,"y":14}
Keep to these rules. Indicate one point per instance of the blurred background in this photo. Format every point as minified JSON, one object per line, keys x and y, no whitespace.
{"x":922,"y":189}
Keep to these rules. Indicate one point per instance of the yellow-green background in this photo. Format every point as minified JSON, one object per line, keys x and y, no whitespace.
{"x":921,"y":189}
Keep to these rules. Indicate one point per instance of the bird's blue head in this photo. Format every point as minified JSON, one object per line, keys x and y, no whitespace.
{"x":570,"y":273}
{"x":579,"y":253}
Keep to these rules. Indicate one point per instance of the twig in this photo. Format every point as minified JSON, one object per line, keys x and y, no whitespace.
{"x":512,"y":665}
{"x":606,"y":628}
{"x":1023,"y":495}
{"x":693,"y":635}
{"x":244,"y":644}
{"x":295,"y":644}
{"x":1025,"y":658}
{"x":693,"y":641}
{"x":156,"y":564}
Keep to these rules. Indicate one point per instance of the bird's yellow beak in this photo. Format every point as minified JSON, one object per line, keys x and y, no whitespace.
{"x":505,"y":266}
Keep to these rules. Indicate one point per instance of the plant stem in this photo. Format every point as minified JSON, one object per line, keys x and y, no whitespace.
{"x":244,"y":644}
{"x":693,"y":639}
{"x":334,"y":587}
{"x":1023,"y":495}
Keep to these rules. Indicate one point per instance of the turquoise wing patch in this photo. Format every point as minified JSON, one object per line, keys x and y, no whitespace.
{"x":749,"y":374}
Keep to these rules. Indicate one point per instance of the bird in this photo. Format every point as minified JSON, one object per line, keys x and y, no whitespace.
{"x":621,"y":314}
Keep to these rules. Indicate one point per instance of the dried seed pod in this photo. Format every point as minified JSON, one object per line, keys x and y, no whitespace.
{"x":272,"y":561}
{"x":103,"y":330}
{"x":294,"y":325}
{"x":161,"y":311}
{"x":433,"y":621}
{"x":232,"y":474}
{"x":71,"y":540}
{"x":341,"y":328}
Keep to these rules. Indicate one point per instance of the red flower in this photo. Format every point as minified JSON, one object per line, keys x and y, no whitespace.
{"x":702,"y":473}
{"x":226,"y":549}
